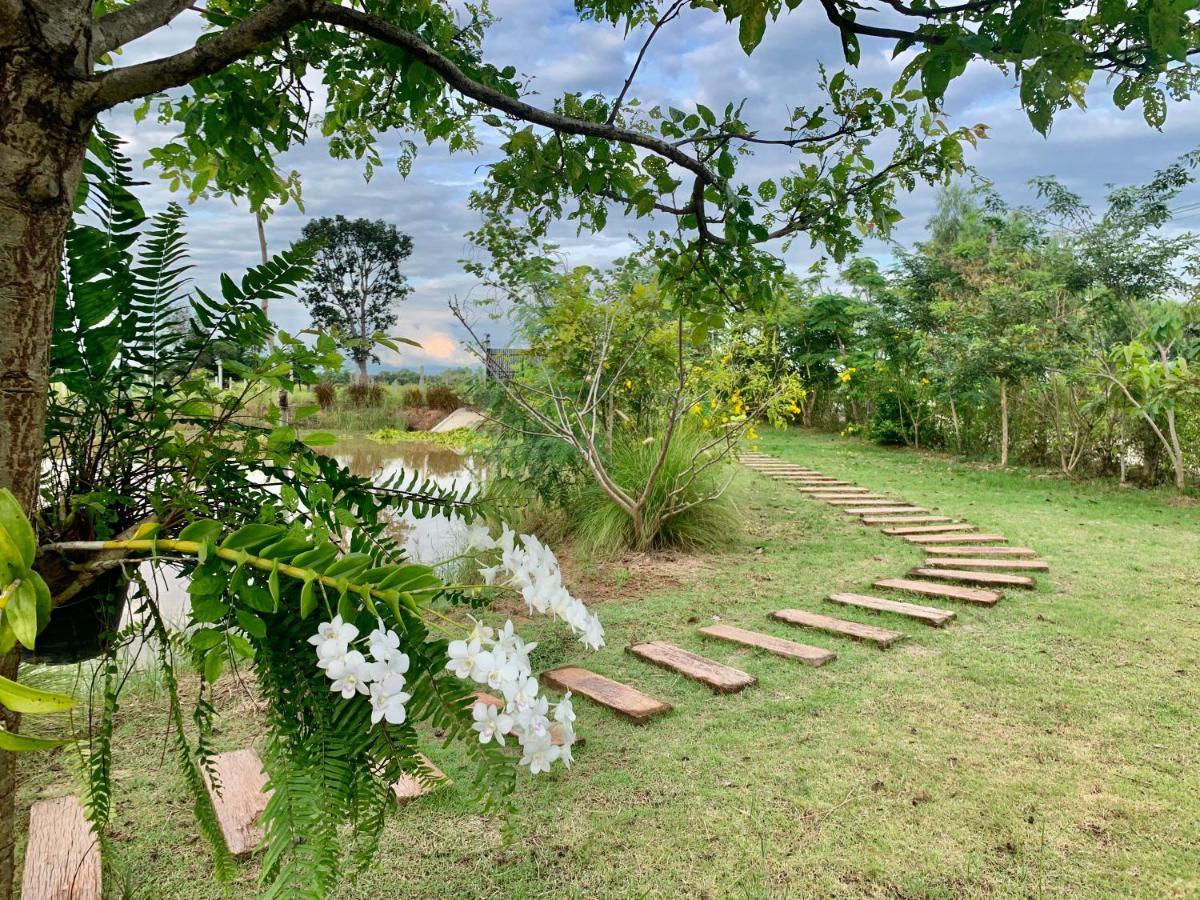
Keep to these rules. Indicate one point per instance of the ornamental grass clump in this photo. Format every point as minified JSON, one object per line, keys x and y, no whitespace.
{"x":686,"y":508}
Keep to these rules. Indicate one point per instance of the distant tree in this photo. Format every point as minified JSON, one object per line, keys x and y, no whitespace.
{"x":356,"y":281}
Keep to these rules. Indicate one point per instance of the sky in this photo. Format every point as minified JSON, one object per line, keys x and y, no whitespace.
{"x":695,"y":59}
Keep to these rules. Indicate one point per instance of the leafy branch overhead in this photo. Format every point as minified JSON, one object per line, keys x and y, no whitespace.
{"x":388,"y":67}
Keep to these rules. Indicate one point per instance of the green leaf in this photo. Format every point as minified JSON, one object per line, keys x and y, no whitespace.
{"x":24,"y":699}
{"x":213,"y":663}
{"x":752,"y":26}
{"x":251,"y":537}
{"x":27,"y":743}
{"x":251,"y":624}
{"x":273,"y":585}
{"x":320,"y":439}
{"x":18,"y":545}
{"x":202,"y":531}
{"x":308,"y":600}
{"x":21,"y":613}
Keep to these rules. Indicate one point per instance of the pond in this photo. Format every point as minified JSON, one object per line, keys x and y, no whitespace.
{"x":429,"y":540}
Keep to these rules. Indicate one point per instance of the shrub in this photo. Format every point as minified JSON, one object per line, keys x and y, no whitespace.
{"x":442,"y":397}
{"x":326,"y":395}
{"x":376,"y":394}
{"x":412,"y":396}
{"x":358,"y":393}
{"x":889,"y":426}
{"x":600,"y":527}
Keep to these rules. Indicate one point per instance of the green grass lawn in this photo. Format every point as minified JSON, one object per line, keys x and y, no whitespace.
{"x":1048,"y":746}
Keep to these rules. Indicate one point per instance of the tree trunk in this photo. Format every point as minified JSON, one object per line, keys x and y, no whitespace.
{"x":1003,"y":421}
{"x":42,"y":141}
{"x":957,"y":428}
{"x":363,"y":378}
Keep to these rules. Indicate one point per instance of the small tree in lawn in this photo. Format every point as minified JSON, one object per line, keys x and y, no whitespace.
{"x":356,"y":282}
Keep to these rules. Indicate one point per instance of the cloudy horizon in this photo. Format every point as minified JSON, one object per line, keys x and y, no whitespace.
{"x":696,"y":59}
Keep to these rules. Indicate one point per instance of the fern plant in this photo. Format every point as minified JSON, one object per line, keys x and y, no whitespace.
{"x":146,"y":456}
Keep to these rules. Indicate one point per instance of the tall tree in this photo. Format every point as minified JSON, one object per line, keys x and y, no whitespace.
{"x":419,"y":68}
{"x":356,"y":282}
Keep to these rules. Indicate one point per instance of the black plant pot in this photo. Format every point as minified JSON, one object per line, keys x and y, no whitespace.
{"x":84,"y":626}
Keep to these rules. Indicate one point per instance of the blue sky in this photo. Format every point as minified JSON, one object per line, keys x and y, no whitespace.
{"x":694,"y":60}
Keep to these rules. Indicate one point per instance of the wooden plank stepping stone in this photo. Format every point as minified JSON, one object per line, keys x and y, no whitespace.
{"x":985,"y":579}
{"x":814,"y":656}
{"x":882,"y":510}
{"x":859,"y":500}
{"x":847,"y":497}
{"x":943,"y":591}
{"x":1020,"y":565}
{"x":825,"y":489}
{"x":409,"y":787}
{"x":927,"y":614}
{"x":905,"y":530}
{"x":620,"y":698}
{"x":904,"y":520}
{"x":919,"y":536}
{"x":955,"y":550}
{"x":62,"y":856}
{"x":721,"y":678}
{"x":239,"y":799}
{"x":880,"y":637}
{"x":557,"y":735}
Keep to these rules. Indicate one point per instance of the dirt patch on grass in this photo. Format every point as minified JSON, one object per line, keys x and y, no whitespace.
{"x":632,"y":576}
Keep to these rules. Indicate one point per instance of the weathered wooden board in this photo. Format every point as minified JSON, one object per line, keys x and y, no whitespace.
{"x":927,"y":614}
{"x":919,"y":536}
{"x":410,"y":787}
{"x":904,"y":520}
{"x":824,"y":489}
{"x":970,"y":562}
{"x":239,"y":798}
{"x":965,"y":576}
{"x":62,"y":856}
{"x":941,"y":591}
{"x":958,"y":550}
{"x":905,"y":530}
{"x":883,"y":510}
{"x":717,"y":676}
{"x":860,"y":499}
{"x":851,"y":497}
{"x":880,"y":637}
{"x":620,"y":698}
{"x":814,"y":656}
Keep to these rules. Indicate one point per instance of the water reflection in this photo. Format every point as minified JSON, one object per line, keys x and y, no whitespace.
{"x":435,"y":537}
{"x":427,"y":540}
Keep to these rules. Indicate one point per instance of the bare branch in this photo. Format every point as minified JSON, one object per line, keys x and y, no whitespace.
{"x":671,"y":13}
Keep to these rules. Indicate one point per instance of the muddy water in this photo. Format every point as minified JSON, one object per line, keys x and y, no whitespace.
{"x":428,"y":540}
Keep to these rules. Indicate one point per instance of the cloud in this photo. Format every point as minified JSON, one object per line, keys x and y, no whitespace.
{"x":695,"y":59}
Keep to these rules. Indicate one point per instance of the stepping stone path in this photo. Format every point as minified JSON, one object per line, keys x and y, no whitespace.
{"x":923,"y":538}
{"x":239,"y":799}
{"x":944,"y":591}
{"x":620,"y":698}
{"x":987,"y":579}
{"x":814,"y":656}
{"x":903,"y":520}
{"x":62,"y":855}
{"x":721,"y":678}
{"x":927,"y":614}
{"x":880,"y":637}
{"x":931,"y":530}
{"x":954,"y":550}
{"x":955,"y":562}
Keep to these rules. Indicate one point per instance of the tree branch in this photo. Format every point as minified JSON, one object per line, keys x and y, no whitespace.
{"x":211,"y":55}
{"x":121,"y":26}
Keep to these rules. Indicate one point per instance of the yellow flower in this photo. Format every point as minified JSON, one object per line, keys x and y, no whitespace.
{"x":696,"y":408}
{"x":724,"y":419}
{"x":628,"y":384}
{"x":844,"y":377}
{"x":707,"y":423}
{"x":924,"y":381}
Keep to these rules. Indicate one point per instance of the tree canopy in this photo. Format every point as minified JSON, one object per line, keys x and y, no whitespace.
{"x":355,"y":283}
